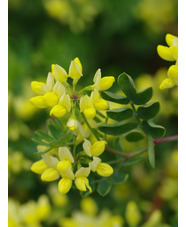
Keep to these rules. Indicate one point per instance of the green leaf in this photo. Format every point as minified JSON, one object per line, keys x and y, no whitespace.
{"x":118,"y":128}
{"x":114,"y":97}
{"x":156,"y":131}
{"x":37,"y":140}
{"x":148,"y":111}
{"x":119,"y":177}
{"x":44,"y":136}
{"x":120,"y":114}
{"x":104,"y":187}
{"x":56,"y":133}
{"x":134,"y":136}
{"x":127,"y":85}
{"x":151,"y":154}
{"x":64,"y":140}
{"x":143,"y":96}
{"x":57,"y":124}
{"x":132,"y":162}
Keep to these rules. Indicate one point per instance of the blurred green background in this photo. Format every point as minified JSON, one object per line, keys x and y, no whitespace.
{"x":116,"y":36}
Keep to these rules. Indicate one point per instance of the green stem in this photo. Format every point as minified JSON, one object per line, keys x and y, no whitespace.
{"x":135,"y":113}
{"x":100,"y":114}
{"x":74,"y":147}
{"x":88,"y":88}
{"x":128,"y":156}
{"x":114,"y":151}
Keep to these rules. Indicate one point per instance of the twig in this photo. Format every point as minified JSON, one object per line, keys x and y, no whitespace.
{"x":165,"y":139}
{"x":126,"y":155}
{"x":114,"y":151}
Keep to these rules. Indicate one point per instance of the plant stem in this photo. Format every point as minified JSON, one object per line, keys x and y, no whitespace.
{"x":166,"y":139}
{"x":114,"y":151}
{"x":129,"y":155}
{"x":126,"y":155}
{"x":74,"y":147}
{"x":100,"y":114}
{"x":135,"y":113}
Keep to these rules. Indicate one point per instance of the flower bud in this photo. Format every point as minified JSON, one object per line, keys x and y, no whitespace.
{"x":50,"y":174}
{"x":38,"y":101}
{"x":165,"y":53}
{"x":64,"y":185}
{"x":133,"y":215}
{"x":106,"y":82}
{"x":104,"y":170}
{"x":39,"y":166}
{"x":63,"y":165}
{"x":36,"y":86}
{"x":59,"y":73}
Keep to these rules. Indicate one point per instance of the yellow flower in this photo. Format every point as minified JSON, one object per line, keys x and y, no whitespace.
{"x":38,"y":101}
{"x":47,"y":168}
{"x":133,"y":215}
{"x":43,"y":207}
{"x":75,"y":69}
{"x":72,"y":123}
{"x":170,"y":53}
{"x":66,"y":159}
{"x":58,"y":199}
{"x":81,"y":180}
{"x":59,"y":73}
{"x":50,"y":98}
{"x":154,"y":220}
{"x":102,"y":84}
{"x":39,"y":166}
{"x":86,"y":106}
{"x":51,"y":92}
{"x":98,"y":102}
{"x":94,"y":149}
{"x":65,"y":183}
{"x":36,"y":86}
{"x":103,"y":169}
{"x":63,"y":106}
{"x":89,"y":206}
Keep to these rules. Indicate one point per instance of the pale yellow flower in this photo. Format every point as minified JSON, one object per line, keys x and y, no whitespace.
{"x":170,"y":53}
{"x":94,"y":149}
{"x":103,"y":169}
{"x":81,"y":180}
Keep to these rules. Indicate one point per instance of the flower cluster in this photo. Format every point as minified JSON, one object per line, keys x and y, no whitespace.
{"x":89,"y":215}
{"x":170,"y":53}
{"x":78,"y":108}
{"x":28,"y":214}
{"x":62,"y":165}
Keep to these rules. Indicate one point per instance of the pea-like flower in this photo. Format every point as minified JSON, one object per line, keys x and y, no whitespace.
{"x":66,"y":159}
{"x":94,"y":149}
{"x":65,"y":183}
{"x":103,"y":169}
{"x":75,"y":69}
{"x":59,"y":73}
{"x":77,"y":110}
{"x":63,"y":106}
{"x":81,"y":180}
{"x":170,"y":53}
{"x":102,"y":84}
{"x":87,"y":107}
{"x":98,"y":102}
